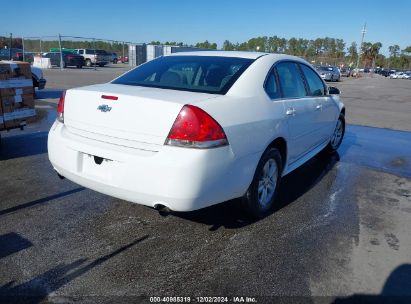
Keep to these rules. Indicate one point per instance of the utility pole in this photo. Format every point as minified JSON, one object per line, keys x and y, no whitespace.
{"x":22,"y":44}
{"x":61,"y":53}
{"x":363,"y":31}
{"x":11,"y":46}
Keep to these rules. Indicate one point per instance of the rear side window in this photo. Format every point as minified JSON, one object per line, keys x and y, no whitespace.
{"x":315,"y":84}
{"x":291,"y":81}
{"x":207,"y":74}
{"x":271,"y":86}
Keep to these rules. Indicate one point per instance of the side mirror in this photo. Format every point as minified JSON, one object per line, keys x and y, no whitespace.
{"x":333,"y":91}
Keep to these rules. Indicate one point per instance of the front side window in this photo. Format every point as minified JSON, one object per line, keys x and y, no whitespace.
{"x":291,"y":81}
{"x":207,"y":74}
{"x":315,"y":84}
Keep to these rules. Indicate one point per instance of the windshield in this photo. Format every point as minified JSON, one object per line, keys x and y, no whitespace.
{"x":207,"y":74}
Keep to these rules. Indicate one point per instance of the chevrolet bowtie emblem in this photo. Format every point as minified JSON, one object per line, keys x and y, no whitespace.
{"x":104,"y":108}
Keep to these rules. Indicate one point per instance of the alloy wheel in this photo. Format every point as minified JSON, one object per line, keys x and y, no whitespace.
{"x":267,"y":183}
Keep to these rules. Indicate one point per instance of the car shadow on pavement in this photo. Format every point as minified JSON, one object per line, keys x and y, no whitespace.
{"x":397,"y":289}
{"x":230,"y":214}
{"x":23,"y":145}
{"x":38,"y":288}
{"x":40,"y":201}
{"x":11,"y":243}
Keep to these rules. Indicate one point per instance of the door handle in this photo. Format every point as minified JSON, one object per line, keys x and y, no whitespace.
{"x":318,"y":107}
{"x":290,"y":111}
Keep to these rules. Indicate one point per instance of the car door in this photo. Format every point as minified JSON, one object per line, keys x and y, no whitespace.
{"x":300,"y":110}
{"x":326,"y":112}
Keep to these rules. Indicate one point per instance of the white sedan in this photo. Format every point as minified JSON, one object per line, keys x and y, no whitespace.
{"x":190,"y":130}
{"x":398,"y":75}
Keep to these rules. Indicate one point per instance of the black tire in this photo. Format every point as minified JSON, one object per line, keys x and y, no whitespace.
{"x":101,"y":65}
{"x":79,"y":66}
{"x":251,"y":201}
{"x":333,"y":146}
{"x":88,"y":63}
{"x":115,"y":61}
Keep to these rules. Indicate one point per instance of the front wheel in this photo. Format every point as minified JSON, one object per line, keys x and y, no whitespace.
{"x":259,"y":199}
{"x":88,"y":63}
{"x":337,"y":135}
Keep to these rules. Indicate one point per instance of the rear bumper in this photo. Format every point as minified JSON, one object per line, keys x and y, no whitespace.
{"x":75,"y":62}
{"x":178,"y":178}
{"x":326,"y":77}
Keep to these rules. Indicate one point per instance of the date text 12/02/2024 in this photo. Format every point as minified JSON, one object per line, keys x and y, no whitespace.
{"x":239,"y":299}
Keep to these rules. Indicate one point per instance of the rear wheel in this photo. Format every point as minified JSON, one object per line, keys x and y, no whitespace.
{"x":79,"y":66}
{"x":338,"y":135}
{"x":260,"y":196}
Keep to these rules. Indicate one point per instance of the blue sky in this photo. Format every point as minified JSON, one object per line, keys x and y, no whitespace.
{"x":192,"y":21}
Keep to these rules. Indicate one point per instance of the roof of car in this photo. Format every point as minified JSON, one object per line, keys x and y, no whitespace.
{"x":236,"y":54}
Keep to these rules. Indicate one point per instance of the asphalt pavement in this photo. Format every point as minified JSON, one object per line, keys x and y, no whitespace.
{"x":340,"y":232}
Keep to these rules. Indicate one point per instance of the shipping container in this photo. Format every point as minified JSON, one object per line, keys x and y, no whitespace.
{"x":137,"y":54}
{"x":154,"y":51}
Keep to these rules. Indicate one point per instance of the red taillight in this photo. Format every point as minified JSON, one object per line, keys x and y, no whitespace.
{"x":60,"y":107}
{"x":109,"y":97}
{"x":194,"y":128}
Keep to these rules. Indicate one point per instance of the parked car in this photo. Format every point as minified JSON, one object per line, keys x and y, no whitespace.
{"x":16,"y":55}
{"x":38,"y":79}
{"x":397,"y":75}
{"x":113,"y":58}
{"x":406,"y":75}
{"x":190,"y":130}
{"x":69,"y":59}
{"x":123,"y":59}
{"x":344,"y":72}
{"x":385,"y":73}
{"x":329,"y":73}
{"x":94,"y":57}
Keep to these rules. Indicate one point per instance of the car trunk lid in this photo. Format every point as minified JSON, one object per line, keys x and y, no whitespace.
{"x":133,"y":116}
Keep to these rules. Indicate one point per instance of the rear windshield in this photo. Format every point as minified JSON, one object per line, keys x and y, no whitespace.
{"x":207,"y":74}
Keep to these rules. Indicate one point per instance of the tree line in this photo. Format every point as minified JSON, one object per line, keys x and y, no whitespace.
{"x":319,"y":51}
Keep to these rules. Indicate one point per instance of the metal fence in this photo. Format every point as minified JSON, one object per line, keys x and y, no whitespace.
{"x":37,"y":46}
{"x":27,"y":48}
{"x":40,"y":45}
